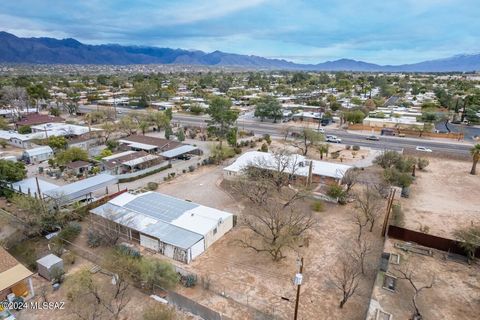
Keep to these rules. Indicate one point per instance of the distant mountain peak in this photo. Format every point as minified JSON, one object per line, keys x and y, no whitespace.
{"x":14,"y":49}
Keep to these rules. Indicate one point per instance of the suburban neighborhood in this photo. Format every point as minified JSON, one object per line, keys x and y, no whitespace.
{"x":143,"y":182}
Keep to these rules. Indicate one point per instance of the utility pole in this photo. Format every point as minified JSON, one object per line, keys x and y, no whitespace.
{"x":298,"y":283}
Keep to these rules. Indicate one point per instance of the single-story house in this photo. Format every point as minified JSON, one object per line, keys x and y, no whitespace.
{"x":129,"y":161}
{"x":158,"y":146}
{"x":15,"y":278}
{"x":82,"y":189}
{"x":178,"y":229}
{"x":36,"y":119}
{"x":322,"y":171}
{"x":78,"y":167}
{"x":37,"y":155}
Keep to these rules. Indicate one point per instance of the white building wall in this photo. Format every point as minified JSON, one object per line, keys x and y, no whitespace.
{"x":149,"y":242}
{"x":197,"y":249}
{"x":222,"y":228}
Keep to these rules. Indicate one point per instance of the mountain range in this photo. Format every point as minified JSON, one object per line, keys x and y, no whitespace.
{"x":14,"y":49}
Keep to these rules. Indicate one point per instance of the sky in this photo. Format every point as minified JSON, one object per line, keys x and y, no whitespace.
{"x":377,"y":31}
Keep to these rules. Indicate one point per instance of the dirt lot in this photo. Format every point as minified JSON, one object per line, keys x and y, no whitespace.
{"x":455,"y":293}
{"x":253,"y":279}
{"x":443,"y":198}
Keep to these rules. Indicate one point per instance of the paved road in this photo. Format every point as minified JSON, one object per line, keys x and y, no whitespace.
{"x":274,"y":129}
{"x":391,"y":143}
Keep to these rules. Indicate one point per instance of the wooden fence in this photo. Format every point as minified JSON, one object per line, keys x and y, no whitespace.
{"x":427,"y":240}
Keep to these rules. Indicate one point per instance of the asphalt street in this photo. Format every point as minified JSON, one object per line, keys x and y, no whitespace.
{"x":275,"y":129}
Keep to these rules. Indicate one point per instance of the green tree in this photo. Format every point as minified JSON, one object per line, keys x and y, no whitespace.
{"x":12,"y":171}
{"x":475,"y":152}
{"x":168,"y":132}
{"x":57,"y":142}
{"x":169,"y":114}
{"x":72,"y":154}
{"x":3,"y":124}
{"x":160,"y":119}
{"x":355,"y":116}
{"x":180,"y":135}
{"x":128,"y":125}
{"x":222,"y":118}
{"x":24,"y":130}
{"x":159,"y":312}
{"x":105,"y":153}
{"x":469,"y":238}
{"x":268,"y":107}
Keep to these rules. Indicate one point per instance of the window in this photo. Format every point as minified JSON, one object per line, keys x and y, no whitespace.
{"x":215,"y":231}
{"x":389,"y":282}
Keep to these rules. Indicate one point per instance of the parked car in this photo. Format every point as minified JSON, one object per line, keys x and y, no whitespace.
{"x":320,"y":130}
{"x":424,"y":149}
{"x":333,"y":139}
{"x":373,"y":138}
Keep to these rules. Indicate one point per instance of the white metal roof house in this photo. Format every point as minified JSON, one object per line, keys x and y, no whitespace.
{"x":295,"y":164}
{"x":176,"y":228}
{"x":80,"y":189}
{"x":37,"y":155}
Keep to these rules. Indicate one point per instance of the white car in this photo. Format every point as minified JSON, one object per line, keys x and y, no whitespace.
{"x":334,"y":139}
{"x":320,"y":130}
{"x":424,"y":149}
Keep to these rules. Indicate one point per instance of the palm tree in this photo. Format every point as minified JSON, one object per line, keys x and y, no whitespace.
{"x":475,"y":152}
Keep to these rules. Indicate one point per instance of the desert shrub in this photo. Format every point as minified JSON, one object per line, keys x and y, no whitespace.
{"x":159,"y":312}
{"x":395,"y":177}
{"x":57,"y":275}
{"x":253,"y":144}
{"x":57,"y":248}
{"x":355,"y":148}
{"x":335,"y":155}
{"x":184,"y":171}
{"x":152,"y":186}
{"x":267,"y":139}
{"x":348,"y":147}
{"x":191,"y":168}
{"x":68,"y":257}
{"x":189,"y":281}
{"x":264,"y":147}
{"x":25,"y":252}
{"x":127,"y":251}
{"x":398,"y":216}
{"x":388,"y":159}
{"x":71,"y":231}
{"x":335,"y":191}
{"x":237,"y":150}
{"x":94,"y":239}
{"x":318,"y":206}
{"x":422,"y":163}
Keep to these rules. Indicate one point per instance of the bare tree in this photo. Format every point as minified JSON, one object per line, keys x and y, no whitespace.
{"x":369,"y":202}
{"x":103,"y":302}
{"x":409,"y":275}
{"x":109,"y":228}
{"x":278,"y":169}
{"x":15,"y":99}
{"x":273,"y":212}
{"x":307,"y":139}
{"x":360,"y":253}
{"x":286,"y":130}
{"x":361,"y":221}
{"x":346,"y":278}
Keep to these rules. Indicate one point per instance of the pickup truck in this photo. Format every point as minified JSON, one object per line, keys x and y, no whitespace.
{"x":333,"y":139}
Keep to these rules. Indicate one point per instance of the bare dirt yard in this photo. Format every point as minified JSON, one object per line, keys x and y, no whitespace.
{"x":443,"y":198}
{"x":228,"y":272}
{"x":455,"y":293}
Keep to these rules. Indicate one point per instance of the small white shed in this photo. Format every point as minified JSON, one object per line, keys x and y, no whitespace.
{"x":37,"y":155}
{"x":48,"y":263}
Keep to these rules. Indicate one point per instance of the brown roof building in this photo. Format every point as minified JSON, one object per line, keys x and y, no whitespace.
{"x":14,"y":277}
{"x":33,"y":119}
